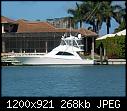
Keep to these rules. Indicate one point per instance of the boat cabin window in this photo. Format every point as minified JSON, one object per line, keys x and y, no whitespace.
{"x":62,"y":42}
{"x":75,"y":43}
{"x":64,"y":53}
{"x":69,"y":42}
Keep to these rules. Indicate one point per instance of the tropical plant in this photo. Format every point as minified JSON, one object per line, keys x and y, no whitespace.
{"x":114,"y":46}
{"x":122,"y":22}
{"x":77,"y":14}
{"x":89,"y":13}
{"x":122,"y":26}
{"x":95,"y":13}
{"x":111,"y":11}
{"x":95,"y":18}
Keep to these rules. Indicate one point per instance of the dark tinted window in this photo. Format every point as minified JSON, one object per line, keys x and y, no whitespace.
{"x":64,"y":53}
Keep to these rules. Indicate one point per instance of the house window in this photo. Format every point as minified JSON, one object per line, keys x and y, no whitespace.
{"x":64,"y":53}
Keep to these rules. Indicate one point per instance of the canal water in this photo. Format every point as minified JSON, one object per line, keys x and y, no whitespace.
{"x":63,"y":81}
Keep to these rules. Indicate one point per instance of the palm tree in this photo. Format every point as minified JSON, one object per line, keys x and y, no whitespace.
{"x":109,"y":11}
{"x":95,"y":13}
{"x":87,"y":12}
{"x":73,"y":12}
{"x":77,"y":15}
{"x":120,"y":18}
{"x":103,"y":12}
{"x":92,"y":16}
{"x":122,"y":26}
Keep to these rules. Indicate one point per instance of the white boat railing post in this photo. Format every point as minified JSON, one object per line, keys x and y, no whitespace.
{"x":3,"y":46}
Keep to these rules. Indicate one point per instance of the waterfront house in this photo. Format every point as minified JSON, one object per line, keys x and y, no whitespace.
{"x":37,"y":36}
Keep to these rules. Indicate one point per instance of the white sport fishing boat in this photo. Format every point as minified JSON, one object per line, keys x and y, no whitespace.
{"x":70,"y":51}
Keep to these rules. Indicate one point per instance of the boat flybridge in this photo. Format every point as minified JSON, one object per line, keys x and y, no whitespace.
{"x":70,"y":51}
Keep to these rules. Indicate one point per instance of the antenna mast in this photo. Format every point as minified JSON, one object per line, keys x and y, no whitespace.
{"x":70,"y":25}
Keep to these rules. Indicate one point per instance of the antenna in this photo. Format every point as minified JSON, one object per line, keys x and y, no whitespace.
{"x":70,"y":26}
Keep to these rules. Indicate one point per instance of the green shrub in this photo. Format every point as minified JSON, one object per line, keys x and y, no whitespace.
{"x":114,"y":46}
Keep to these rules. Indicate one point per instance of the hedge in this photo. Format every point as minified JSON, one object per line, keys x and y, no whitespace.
{"x":114,"y":46}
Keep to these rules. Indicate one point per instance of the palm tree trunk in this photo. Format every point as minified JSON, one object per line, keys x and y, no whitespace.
{"x":80,"y":24}
{"x":107,"y":29}
{"x":108,"y":25}
{"x":97,"y":27}
{"x":94,"y":27}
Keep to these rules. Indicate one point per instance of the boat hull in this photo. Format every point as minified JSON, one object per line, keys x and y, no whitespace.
{"x":48,"y":60}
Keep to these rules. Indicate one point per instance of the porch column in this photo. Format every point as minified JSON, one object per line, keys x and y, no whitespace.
{"x":3,"y":46}
{"x":46,"y":47}
{"x":101,"y":59}
{"x":3,"y":28}
{"x":92,"y":51}
{"x":86,"y":45}
{"x":104,"y":53}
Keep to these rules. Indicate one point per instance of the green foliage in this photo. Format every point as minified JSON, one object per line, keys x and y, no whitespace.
{"x":122,"y":26}
{"x":96,"y":13}
{"x":114,"y":46}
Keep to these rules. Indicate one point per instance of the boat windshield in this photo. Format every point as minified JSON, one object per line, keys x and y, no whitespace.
{"x":79,"y":42}
{"x":69,"y":42}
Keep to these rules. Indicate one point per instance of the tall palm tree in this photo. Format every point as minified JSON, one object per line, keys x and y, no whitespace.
{"x":111,"y":11}
{"x":92,"y":16}
{"x":85,"y":12}
{"x":120,"y":18}
{"x":87,"y":6}
{"x":103,"y":12}
{"x":73,"y":12}
{"x":77,"y":14}
{"x":95,"y":13}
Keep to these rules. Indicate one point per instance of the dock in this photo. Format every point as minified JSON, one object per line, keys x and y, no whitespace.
{"x":110,"y":61}
{"x":116,"y":61}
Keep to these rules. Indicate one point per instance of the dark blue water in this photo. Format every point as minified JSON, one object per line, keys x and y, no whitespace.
{"x":75,"y":80}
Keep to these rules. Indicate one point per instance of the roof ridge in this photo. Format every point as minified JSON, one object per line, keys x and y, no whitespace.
{"x":50,"y":25}
{"x":6,"y":19}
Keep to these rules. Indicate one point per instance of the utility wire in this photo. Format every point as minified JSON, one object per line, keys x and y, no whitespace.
{"x":93,"y":11}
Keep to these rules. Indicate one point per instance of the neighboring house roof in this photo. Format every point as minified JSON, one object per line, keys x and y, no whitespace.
{"x":123,"y":32}
{"x":82,"y":31}
{"x":105,"y":36}
{"x":6,"y":20}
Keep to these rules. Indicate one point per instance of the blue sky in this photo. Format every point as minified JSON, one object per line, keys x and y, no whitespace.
{"x":33,"y":10}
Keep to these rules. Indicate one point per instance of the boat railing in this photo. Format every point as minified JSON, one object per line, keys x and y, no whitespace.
{"x":72,"y":42}
{"x":21,"y":54}
{"x":28,"y":54}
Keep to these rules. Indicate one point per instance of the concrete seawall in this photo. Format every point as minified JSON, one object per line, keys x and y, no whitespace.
{"x":116,"y":61}
{"x":111,"y":61}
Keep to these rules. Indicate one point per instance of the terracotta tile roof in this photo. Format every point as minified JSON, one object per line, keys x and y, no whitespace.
{"x":38,"y":26}
{"x":82,"y":31}
{"x":85,"y":32}
{"x":27,"y":26}
{"x":6,"y":20}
